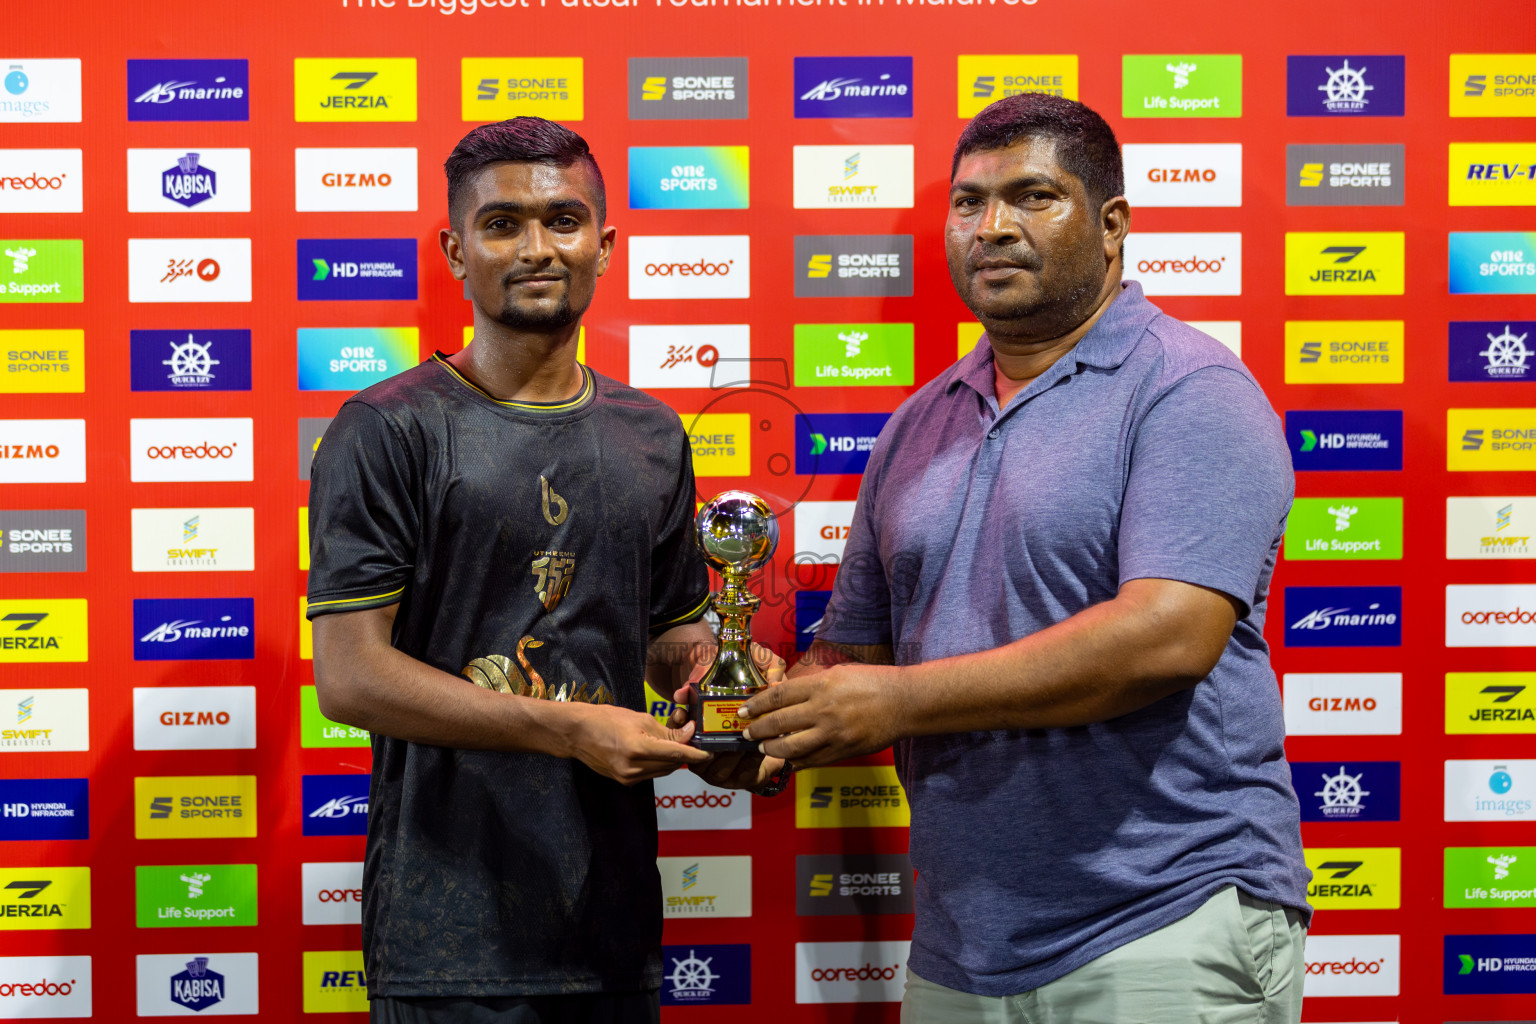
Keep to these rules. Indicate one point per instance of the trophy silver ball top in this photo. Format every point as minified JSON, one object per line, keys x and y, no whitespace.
{"x":737,"y":533}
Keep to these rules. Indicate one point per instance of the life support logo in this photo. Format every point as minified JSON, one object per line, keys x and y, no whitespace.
{"x":690,"y":267}
{"x":850,"y":972}
{"x":1186,"y":262}
{"x":195,"y":895}
{"x":863,"y":797}
{"x":1353,"y":965}
{"x":1181,"y":85}
{"x":194,"y":806}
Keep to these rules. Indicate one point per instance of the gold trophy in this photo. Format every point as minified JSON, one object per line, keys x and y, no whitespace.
{"x":737,"y":533}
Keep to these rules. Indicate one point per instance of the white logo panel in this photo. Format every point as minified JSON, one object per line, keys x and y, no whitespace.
{"x":40,"y":91}
{"x":1228,"y":332}
{"x":690,"y":267}
{"x":44,"y":986}
{"x":41,"y":181}
{"x":189,"y":270}
{"x":821,"y":530}
{"x":1197,"y":174}
{"x":1343,"y":703}
{"x":189,"y":449}
{"x":45,"y":718}
{"x":1490,"y":790}
{"x":689,"y":355}
{"x":194,"y":718}
{"x":1186,"y":262}
{"x":197,"y":984}
{"x":706,"y":886}
{"x":685,"y":802}
{"x":1490,"y":527}
{"x":1490,"y":616}
{"x":358,"y":178}
{"x":853,"y":177}
{"x":850,"y":972}
{"x":42,"y":451}
{"x":194,"y":180}
{"x":194,"y":539}
{"x":333,"y":892}
{"x":1353,"y":965}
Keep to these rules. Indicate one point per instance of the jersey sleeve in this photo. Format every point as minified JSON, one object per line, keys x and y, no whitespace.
{"x":679,"y":579}
{"x":859,"y":611}
{"x":1209,"y":489}
{"x":362,"y":518}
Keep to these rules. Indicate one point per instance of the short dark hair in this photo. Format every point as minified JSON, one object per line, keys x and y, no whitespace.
{"x":523,"y":140}
{"x":1085,"y":144}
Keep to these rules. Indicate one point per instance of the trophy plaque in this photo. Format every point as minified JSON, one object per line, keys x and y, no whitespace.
{"x":737,"y":533}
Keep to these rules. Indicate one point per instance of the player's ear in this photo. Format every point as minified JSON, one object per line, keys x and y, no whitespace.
{"x":453,"y":251}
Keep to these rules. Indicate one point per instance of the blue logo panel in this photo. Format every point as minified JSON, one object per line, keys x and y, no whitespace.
{"x":45,"y":809}
{"x":1343,"y":616}
{"x":1349,"y":790}
{"x":1345,"y":439}
{"x":194,"y":629}
{"x":836,"y":442}
{"x":706,"y":975}
{"x":689,"y":177}
{"x":810,"y":608}
{"x":1492,"y":262}
{"x":1357,"y":85}
{"x":853,"y":86}
{"x":189,"y":90}
{"x":1490,"y":964}
{"x":335,"y":805}
{"x":189,"y":360}
{"x":357,"y":268}
{"x":1493,"y":350}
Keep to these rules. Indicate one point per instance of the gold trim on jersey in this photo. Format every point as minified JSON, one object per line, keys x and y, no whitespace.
{"x":587,"y":388}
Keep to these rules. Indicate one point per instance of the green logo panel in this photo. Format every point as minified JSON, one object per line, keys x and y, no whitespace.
{"x":315,"y":730}
{"x":1344,"y":529}
{"x":1490,"y":876}
{"x":42,"y":270}
{"x":1181,"y":85}
{"x":196,"y":895}
{"x":844,"y":355}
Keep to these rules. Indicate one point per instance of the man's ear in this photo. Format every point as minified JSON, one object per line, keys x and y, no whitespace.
{"x":453,"y":252}
{"x":606,"y":243}
{"x":1115,"y":223}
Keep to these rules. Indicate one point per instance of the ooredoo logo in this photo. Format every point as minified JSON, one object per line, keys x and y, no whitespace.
{"x":1187,"y":262}
{"x":850,"y":972}
{"x":41,"y":181}
{"x":333,"y":892}
{"x":689,"y":267}
{"x":1490,"y":616}
{"x":685,"y":802}
{"x":45,"y":986}
{"x":1353,"y":965}
{"x":190,"y":449}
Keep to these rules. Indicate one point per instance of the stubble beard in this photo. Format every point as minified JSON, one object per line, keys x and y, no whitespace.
{"x":521,"y":319}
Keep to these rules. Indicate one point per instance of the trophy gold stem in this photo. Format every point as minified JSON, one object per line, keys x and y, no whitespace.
{"x":734,"y":672}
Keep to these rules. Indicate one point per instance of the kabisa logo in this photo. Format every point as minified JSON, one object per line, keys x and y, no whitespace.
{"x":55,"y":718}
{"x":688,"y":177}
{"x":706,"y":975}
{"x":1344,"y":351}
{"x":1490,"y":702}
{"x":1490,"y":876}
{"x":356,"y":268}
{"x":1493,"y":262}
{"x":188,"y":806}
{"x":1344,"y":616}
{"x":1490,"y":790}
{"x":45,"y":986}
{"x":1490,"y":439}
{"x":1353,"y":85}
{"x":1492,"y":350}
{"x":1351,"y":791}
{"x":216,"y":984}
{"x":810,"y":610}
{"x":189,"y":183}
{"x":878,"y":883}
{"x":40,"y":91}
{"x":1490,"y":964}
{"x":831,"y":266}
{"x":838,"y":177}
{"x":351,"y":358}
{"x":189,"y":360}
{"x":41,"y":181}
{"x":836,"y":443}
{"x":188,"y":90}
{"x":45,"y":540}
{"x":42,"y":270}
{"x":1345,"y":440}
{"x":1187,"y":262}
{"x":43,"y":630}
{"x":1353,"y":965}
{"x":195,"y":895}
{"x":496,"y":88}
{"x":197,"y":987}
{"x":687,"y":88}
{"x":850,"y":797}
{"x":1493,"y":85}
{"x":1366,"y":878}
{"x":853,"y":86}
{"x":354,"y":89}
{"x":982,"y":78}
{"x":46,"y":809}
{"x":335,"y":805}
{"x":354,"y":179}
{"x":1343,"y":703}
{"x":850,"y":972}
{"x":187,"y":629}
{"x":1344,"y":175}
{"x":1344,"y":263}
{"x":1183,"y":174}
{"x":1492,"y":174}
{"x":690,"y":267}
{"x":1181,"y":85}
{"x":33,"y":899}
{"x":1498,"y":615}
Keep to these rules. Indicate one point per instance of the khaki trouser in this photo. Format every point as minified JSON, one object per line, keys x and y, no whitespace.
{"x":1236,"y":960}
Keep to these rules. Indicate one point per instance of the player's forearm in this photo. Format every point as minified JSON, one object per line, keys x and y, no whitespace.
{"x":671,"y":656}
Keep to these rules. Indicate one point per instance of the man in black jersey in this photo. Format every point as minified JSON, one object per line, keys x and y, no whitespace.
{"x":509,"y":518}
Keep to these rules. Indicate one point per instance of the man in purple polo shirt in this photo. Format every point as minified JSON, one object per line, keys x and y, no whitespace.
{"x":1052,"y":602}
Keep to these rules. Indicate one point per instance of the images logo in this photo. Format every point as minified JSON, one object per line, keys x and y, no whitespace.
{"x":850,"y":972}
{"x":194,"y":806}
{"x":1344,"y":616}
{"x":1187,"y":262}
{"x":40,"y":91}
{"x":839,"y":355}
{"x":45,"y":719}
{"x":352,"y":358}
{"x":188,"y":90}
{"x":1181,"y":85}
{"x":194,"y":629}
{"x":1343,"y":263}
{"x":721,"y":442}
{"x":865,"y":797}
{"x":1490,"y":702}
{"x":190,"y":449}
{"x":1490,"y":790}
{"x":42,"y":362}
{"x":687,"y":88}
{"x":688,"y":177}
{"x":830,"y":266}
{"x":1345,"y":528}
{"x":1490,"y":964}
{"x":356,"y":268}
{"x":497,"y":88}
{"x":1343,"y":703}
{"x":982,"y":78}
{"x":690,"y":267}
{"x":44,"y":809}
{"x":189,"y":270}
{"x":878,"y":883}
{"x":821,"y":531}
{"x":43,"y":630}
{"x":41,"y":181}
{"x":1489,"y":527}
{"x":706,"y":975}
{"x":1353,"y":965}
{"x":42,"y":270}
{"x":1490,"y":876}
{"x":354,"y":179}
{"x":838,"y":177}
{"x":362,"y":89}
{"x":853,"y":86}
{"x":195,"y":895}
{"x":335,"y":805}
{"x":1502,"y":615}
{"x":1490,"y":439}
{"x":37,"y":899}
{"x":1493,"y":262}
{"x":706,"y":886}
{"x":689,"y":355}
{"x":190,"y":360}
{"x":836,"y":443}
{"x":194,"y":718}
{"x":1492,"y":174}
{"x":182,"y":181}
{"x":333,"y":892}
{"x":1345,"y":440}
{"x":1168,"y":174}
{"x":1343,"y":351}
{"x":1344,"y":175}
{"x":1355,"y":791}
{"x":1493,"y":85}
{"x":1355,"y":86}
{"x":334,"y":982}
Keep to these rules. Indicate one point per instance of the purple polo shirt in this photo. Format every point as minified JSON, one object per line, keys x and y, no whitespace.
{"x":1147,"y":451}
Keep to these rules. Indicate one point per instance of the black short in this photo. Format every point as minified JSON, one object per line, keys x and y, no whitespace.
{"x":590,"y":1008}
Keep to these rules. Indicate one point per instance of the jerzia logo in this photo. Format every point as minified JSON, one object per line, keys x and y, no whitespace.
{"x":379,"y":89}
{"x":1344,"y":263}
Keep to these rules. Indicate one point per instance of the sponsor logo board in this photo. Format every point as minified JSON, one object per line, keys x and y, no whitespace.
{"x":1490,"y":964}
{"x":1344,"y":262}
{"x":359,"y":178}
{"x":190,"y":360}
{"x":41,"y":181}
{"x":821,"y":530}
{"x":1490,"y":350}
{"x":810,"y":609}
{"x":1343,"y":704}
{"x":1186,"y":262}
{"x":42,"y":270}
{"x":44,"y":899}
{"x":1181,"y":85}
{"x":1490,"y":876}
{"x":1492,"y":174}
{"x":716,"y":975}
{"x":850,"y":972}
{"x":688,"y":177}
{"x":688,"y":88}
{"x":689,"y":355}
{"x":1493,"y":85}
{"x":721,"y":442}
{"x":43,"y":630}
{"x":337,"y":269}
{"x":335,"y":805}
{"x":42,"y":362}
{"x":189,"y":270}
{"x":842,"y":355}
{"x":333,"y":892}
{"x":352,"y":358}
{"x":195,"y":895}
{"x":1348,"y":791}
{"x":45,"y":719}
{"x":42,"y":451}
{"x":44,"y":809}
{"x":1192,"y":174}
{"x":706,"y":886}
{"x":1344,"y":616}
{"x":1353,"y":85}
{"x":1490,"y":439}
{"x":853,"y":883}
{"x":194,"y":628}
{"x":836,"y":443}
{"x":45,"y":986}
{"x":690,"y":267}
{"x":828,"y":266}
{"x":1490,"y":702}
{"x":1345,"y":439}
{"x":194,"y":718}
{"x":1228,"y":332}
{"x":311,"y":429}
{"x":334,"y":982}
{"x":354,"y":89}
{"x":1353,"y":965}
{"x":194,"y":539}
{"x":39,"y":91}
{"x":194,"y":806}
{"x":497,"y":88}
{"x":1500,"y":615}
{"x":686,"y":803}
{"x":42,"y":540}
{"x":863,"y":797}
{"x":162,"y":450}
{"x":1355,"y":878}
{"x":1344,"y":175}
{"x":1493,"y":262}
{"x":1344,"y":351}
{"x":315,"y":730}
{"x":1345,"y":528}
{"x":202,"y":984}
{"x":189,"y":180}
{"x":1490,"y":790}
{"x":853,"y":87}
{"x":982,"y":78}
{"x":1489,"y":527}
{"x":853,"y":177}
{"x":189,"y":90}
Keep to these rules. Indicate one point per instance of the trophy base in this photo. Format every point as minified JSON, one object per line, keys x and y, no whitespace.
{"x":718,"y":730}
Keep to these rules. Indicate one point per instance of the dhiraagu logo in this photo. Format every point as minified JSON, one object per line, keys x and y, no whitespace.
{"x":315,"y":730}
{"x":195,"y":895}
{"x":1345,"y":528}
{"x":688,"y":177}
{"x":352,"y":358}
{"x":721,"y":442}
{"x":839,"y":355}
{"x":1492,"y":262}
{"x":334,"y":982}
{"x":1181,"y":85}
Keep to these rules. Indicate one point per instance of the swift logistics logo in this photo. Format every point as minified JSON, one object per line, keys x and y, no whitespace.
{"x":44,"y":899}
{"x":1492,"y":262}
{"x":690,"y":267}
{"x":982,"y":78}
{"x":1181,"y":85}
{"x":1498,"y":615}
{"x":1345,"y":439}
{"x":853,"y":87}
{"x":863,"y":797}
{"x":1353,"y":965}
{"x":706,"y":886}
{"x":1490,"y":876}
{"x":163,"y":450}
{"x":1186,"y":262}
{"x":189,"y":181}
{"x":1345,"y":86}
{"x":716,"y":975}
{"x":688,"y":177}
{"x":852,"y":883}
{"x":42,"y":270}
{"x":1502,"y":703}
{"x":333,"y":892}
{"x":189,"y":360}
{"x":42,"y":630}
{"x":834,"y":266}
{"x":497,"y":88}
{"x":850,"y":972}
{"x":41,"y":181}
{"x":1493,"y":85}
{"x":354,"y":89}
{"x":842,"y":355}
{"x":1492,"y":350}
{"x":189,"y":90}
{"x":335,"y":805}
{"x":689,"y":355}
{"x":1349,"y":791}
{"x":42,"y":540}
{"x":836,"y":443}
{"x":1183,"y":174}
{"x":1344,"y":263}
{"x":358,"y":178}
{"x":688,"y":88}
{"x":1490,"y":527}
{"x":1344,"y":616}
{"x":1495,"y":440}
{"x":42,"y":361}
{"x":334,"y":982}
{"x":1344,"y":528}
{"x":194,"y":806}
{"x":214,"y":984}
{"x":40,"y":91}
{"x":195,"y":895}
{"x":51,"y":718}
{"x":42,"y":451}
{"x":1355,"y":878}
{"x":1344,"y":351}
{"x":356,"y":268}
{"x":1344,"y":175}
{"x":352,"y":358}
{"x":1490,"y":964}
{"x":46,"y":809}
{"x":853,"y":177}
{"x":199,"y":539}
{"x":189,"y":270}
{"x":1492,"y":174}
{"x":194,"y":629}
{"x":194,"y":718}
{"x":315,"y":730}
{"x":1490,"y":790}
{"x":1343,"y":703}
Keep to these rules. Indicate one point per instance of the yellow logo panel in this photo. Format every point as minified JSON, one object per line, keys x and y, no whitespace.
{"x":1490,"y":439}
{"x":496,"y":88}
{"x":1343,"y":351}
{"x":42,"y":362}
{"x":1493,"y":174}
{"x":194,"y":806}
{"x":304,"y":538}
{"x":1493,"y":85}
{"x":967,"y":337}
{"x":982,"y":78}
{"x":1355,"y":878}
{"x":868,"y":797}
{"x":1344,"y":262}
{"x":354,"y":89}
{"x":334,"y":982}
{"x":721,"y":441}
{"x":34,"y":899}
{"x":42,"y":630}
{"x":306,"y":632}
{"x":1490,"y":702}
